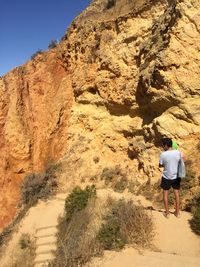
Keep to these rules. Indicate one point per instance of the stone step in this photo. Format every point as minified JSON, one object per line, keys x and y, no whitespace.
{"x":49,"y":248}
{"x":46,"y":232}
{"x":43,"y":237}
{"x":45,"y":227}
{"x":47,"y":240}
{"x":44,"y":258}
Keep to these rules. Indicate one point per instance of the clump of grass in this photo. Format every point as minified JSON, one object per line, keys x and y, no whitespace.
{"x":149,"y":190}
{"x":195,"y":222}
{"x":115,"y":177}
{"x":25,"y":241}
{"x":78,"y":200}
{"x":109,"y":173}
{"x":198,"y":146}
{"x":190,"y":180}
{"x":126,"y":223}
{"x":96,"y":159}
{"x":52,"y":44}
{"x":193,"y":203}
{"x":110,"y":4}
{"x":34,"y":187}
{"x":194,"y":206}
{"x":38,"y":52}
{"x":76,"y":242}
{"x":37,"y":186}
{"x":132,"y":186}
{"x":24,"y":253}
{"x":121,"y":185}
{"x":110,"y":235}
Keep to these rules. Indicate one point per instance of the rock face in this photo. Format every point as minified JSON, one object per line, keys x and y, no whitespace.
{"x":125,"y":74}
{"x":35,"y":105}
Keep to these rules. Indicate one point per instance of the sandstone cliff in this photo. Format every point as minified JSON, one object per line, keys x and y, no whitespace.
{"x":123,"y":75}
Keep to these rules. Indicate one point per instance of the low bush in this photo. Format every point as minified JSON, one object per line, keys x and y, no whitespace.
{"x":78,"y":200}
{"x":198,"y":146}
{"x":121,"y":185}
{"x":110,"y":4}
{"x":194,"y":206}
{"x":24,"y":253}
{"x":38,"y":52}
{"x":37,"y":186}
{"x":115,"y":177}
{"x":76,"y":242}
{"x":193,"y":203}
{"x":25,"y":241}
{"x":126,"y":223}
{"x":189,"y":181}
{"x":109,"y":173}
{"x":52,"y":44}
{"x":195,"y":222}
{"x":110,"y":235}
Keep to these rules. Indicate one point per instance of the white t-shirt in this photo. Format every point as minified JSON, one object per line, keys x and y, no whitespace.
{"x":169,"y":160}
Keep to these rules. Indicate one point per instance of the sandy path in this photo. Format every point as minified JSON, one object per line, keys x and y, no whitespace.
{"x":40,"y":222}
{"x":174,"y":235}
{"x":178,"y":246}
{"x":131,"y":258}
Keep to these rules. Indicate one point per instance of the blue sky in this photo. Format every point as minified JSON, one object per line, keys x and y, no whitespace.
{"x":29,"y":25}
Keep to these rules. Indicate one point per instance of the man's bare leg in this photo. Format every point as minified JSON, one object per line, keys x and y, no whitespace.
{"x":177,"y":208}
{"x":165,"y":198}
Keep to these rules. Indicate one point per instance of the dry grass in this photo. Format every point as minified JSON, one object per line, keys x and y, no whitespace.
{"x":77,"y":242}
{"x":34,"y":187}
{"x":82,"y":235}
{"x":126,"y":223}
{"x":76,"y":245}
{"x":115,"y":177}
{"x":24,"y":253}
{"x":135,"y":223}
{"x":37,"y":186}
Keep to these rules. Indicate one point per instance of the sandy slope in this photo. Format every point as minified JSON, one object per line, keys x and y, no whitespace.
{"x":174,"y":235}
{"x":131,"y":258}
{"x":176,"y":245}
{"x":41,"y":220}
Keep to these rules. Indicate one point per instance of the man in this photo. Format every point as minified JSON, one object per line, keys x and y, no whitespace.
{"x":169,"y":160}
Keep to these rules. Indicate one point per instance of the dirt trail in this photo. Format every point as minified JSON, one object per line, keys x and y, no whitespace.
{"x":176,"y":244}
{"x":40,"y":222}
{"x":132,"y":258}
{"x":174,"y":235}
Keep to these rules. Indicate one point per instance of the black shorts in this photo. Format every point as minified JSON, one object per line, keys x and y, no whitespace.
{"x":167,"y":184}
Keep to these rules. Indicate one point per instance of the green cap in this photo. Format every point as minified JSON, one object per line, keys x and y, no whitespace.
{"x":174,"y":145}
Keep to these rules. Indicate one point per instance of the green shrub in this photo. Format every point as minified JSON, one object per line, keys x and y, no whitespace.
{"x":25,"y":241}
{"x":189,"y":181}
{"x":24,"y":254}
{"x":198,"y":146}
{"x":110,"y":4}
{"x":76,"y":242}
{"x":193,"y":203}
{"x":52,"y":44}
{"x":78,"y":200}
{"x":195,"y":222}
{"x":110,"y":173}
{"x":121,"y":185}
{"x":38,"y":52}
{"x":125,"y":223}
{"x":110,"y":235}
